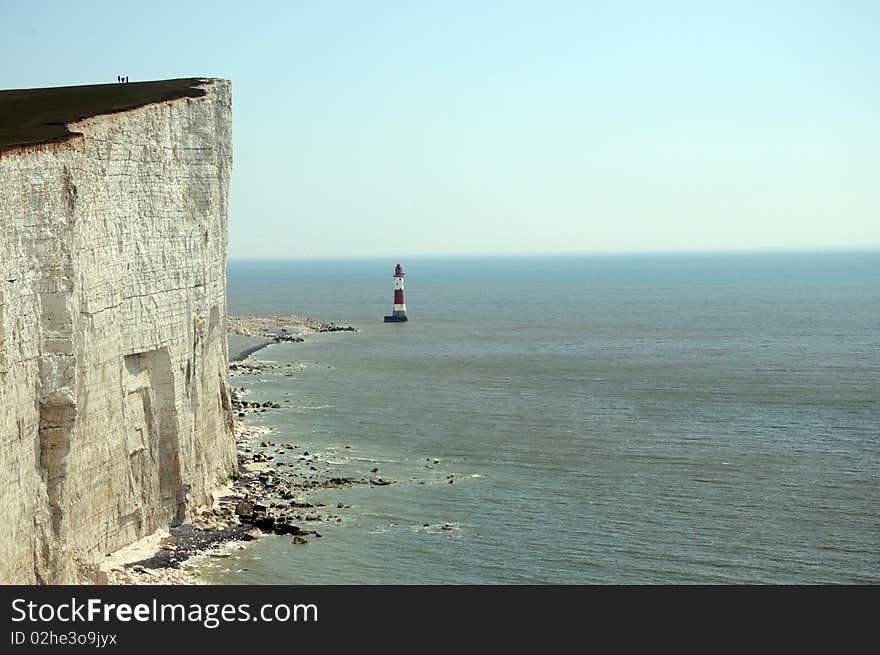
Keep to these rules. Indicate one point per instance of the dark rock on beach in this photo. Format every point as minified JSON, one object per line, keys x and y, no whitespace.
{"x":287,"y":338}
{"x":265,"y":522}
{"x":332,"y":327}
{"x":252,"y":535}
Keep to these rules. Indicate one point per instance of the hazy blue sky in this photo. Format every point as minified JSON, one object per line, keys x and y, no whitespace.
{"x":397,"y":128}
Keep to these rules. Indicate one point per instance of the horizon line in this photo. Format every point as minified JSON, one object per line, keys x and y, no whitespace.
{"x":586,"y":253}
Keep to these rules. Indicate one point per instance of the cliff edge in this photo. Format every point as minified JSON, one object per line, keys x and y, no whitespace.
{"x":115,"y":415}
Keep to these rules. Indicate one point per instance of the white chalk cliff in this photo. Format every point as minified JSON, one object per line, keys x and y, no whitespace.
{"x":115,"y":413}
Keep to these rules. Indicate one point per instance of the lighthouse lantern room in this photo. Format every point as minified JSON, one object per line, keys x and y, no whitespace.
{"x":398,"y":313}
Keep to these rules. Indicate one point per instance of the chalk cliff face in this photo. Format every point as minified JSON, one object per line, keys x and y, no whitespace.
{"x":114,"y":401}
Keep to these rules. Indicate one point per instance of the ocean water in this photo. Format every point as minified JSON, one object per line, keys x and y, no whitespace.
{"x":607,"y":419}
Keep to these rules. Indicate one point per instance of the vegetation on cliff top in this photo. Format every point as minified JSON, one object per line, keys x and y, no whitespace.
{"x":35,"y":116}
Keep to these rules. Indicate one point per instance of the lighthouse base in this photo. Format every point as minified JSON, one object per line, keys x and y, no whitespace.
{"x":396,"y":319}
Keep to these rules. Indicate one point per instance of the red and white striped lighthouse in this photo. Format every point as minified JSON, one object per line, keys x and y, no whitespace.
{"x":398,"y":312}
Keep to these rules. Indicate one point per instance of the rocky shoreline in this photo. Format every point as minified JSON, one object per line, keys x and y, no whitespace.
{"x":249,"y":334}
{"x":268,"y":496}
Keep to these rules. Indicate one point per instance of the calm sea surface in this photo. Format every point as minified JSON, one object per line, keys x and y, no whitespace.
{"x":626,"y":419}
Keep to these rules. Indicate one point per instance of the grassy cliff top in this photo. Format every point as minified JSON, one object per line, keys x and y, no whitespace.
{"x":34,"y":116}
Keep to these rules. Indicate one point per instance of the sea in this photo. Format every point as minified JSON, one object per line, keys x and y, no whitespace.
{"x":623,"y":419}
